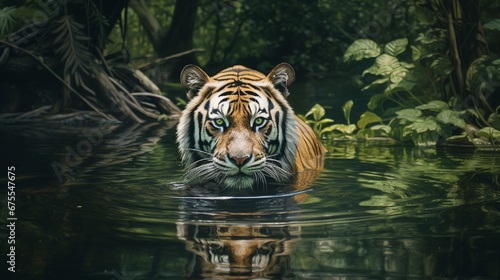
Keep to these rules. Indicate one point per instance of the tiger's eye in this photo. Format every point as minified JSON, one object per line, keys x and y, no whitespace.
{"x":259,"y":121}
{"x":219,"y":122}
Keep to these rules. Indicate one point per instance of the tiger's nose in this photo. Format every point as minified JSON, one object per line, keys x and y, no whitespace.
{"x":239,"y":160}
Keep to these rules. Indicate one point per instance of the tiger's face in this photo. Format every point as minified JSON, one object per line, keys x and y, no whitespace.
{"x":237,"y":129}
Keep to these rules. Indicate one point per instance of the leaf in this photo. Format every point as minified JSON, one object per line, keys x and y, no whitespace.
{"x":375,"y":83}
{"x":360,"y":49}
{"x":325,"y":121}
{"x":451,"y":117}
{"x":407,"y":65}
{"x":371,"y":70}
{"x":421,"y":126}
{"x":344,"y":128}
{"x":493,"y":25}
{"x":407,"y":83}
{"x":6,"y":20}
{"x":375,"y":100}
{"x":71,"y":43}
{"x":386,"y":60}
{"x":396,"y":47}
{"x":398,"y":74}
{"x":416,"y":53}
{"x":475,"y":73}
{"x":494,"y":119}
{"x":442,"y":66}
{"x":4,"y":56}
{"x":424,"y":15}
{"x":435,"y":106}
{"x":347,"y":110}
{"x":489,"y":133}
{"x":409,"y":114}
{"x":386,"y":64}
{"x":458,"y":139}
{"x":382,"y":127}
{"x":368,"y":118}
{"x":473,"y":112}
{"x":375,"y":131}
{"x":317,"y":111}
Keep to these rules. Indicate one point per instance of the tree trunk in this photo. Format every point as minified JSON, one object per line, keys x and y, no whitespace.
{"x":179,"y":37}
{"x":466,"y":41}
{"x":153,"y":29}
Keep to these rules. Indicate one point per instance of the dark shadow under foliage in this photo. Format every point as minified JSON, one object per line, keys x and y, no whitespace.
{"x":54,"y":68}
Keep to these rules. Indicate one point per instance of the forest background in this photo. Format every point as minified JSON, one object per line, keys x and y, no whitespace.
{"x":430,"y":67}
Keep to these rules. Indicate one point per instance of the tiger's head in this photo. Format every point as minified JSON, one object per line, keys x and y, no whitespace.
{"x":238,"y":129}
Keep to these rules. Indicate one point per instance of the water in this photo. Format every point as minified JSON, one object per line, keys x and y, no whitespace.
{"x":97,"y":203}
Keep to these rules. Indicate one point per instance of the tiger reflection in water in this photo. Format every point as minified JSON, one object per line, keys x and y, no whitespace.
{"x":242,"y":239}
{"x":232,"y":251}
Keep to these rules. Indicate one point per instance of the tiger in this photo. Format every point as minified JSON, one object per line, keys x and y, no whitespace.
{"x":239,"y":131}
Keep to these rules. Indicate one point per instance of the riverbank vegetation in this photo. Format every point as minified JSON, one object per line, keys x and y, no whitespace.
{"x":439,"y":84}
{"x":430,"y":67}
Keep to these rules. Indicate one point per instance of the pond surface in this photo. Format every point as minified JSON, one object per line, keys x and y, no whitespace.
{"x":98,"y":203}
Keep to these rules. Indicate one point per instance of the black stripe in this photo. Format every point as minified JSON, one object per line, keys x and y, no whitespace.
{"x":191,"y":132}
{"x":200,"y":122}
{"x":215,"y":111}
{"x":259,"y":89}
{"x":226,"y":93}
{"x":271,"y":104}
{"x":228,"y":85}
{"x":283,"y":131}
{"x":254,"y":100}
{"x":209,"y":93}
{"x":252,"y":93}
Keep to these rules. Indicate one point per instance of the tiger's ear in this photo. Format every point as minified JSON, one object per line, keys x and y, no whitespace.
{"x":282,"y":76}
{"x":193,"y":78}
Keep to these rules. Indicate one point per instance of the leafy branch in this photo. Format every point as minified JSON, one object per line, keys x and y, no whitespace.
{"x":324,"y":128}
{"x":6,"y":20}
{"x":72,"y":44}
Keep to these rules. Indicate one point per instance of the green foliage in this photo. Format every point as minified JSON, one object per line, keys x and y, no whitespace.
{"x":6,"y":20}
{"x":404,"y":83}
{"x":493,"y":25}
{"x":408,"y":88}
{"x":483,"y":78}
{"x":368,"y":118}
{"x":489,"y":133}
{"x":426,"y":124}
{"x":361,"y":49}
{"x":324,"y":128}
{"x":71,"y":43}
{"x":181,"y":102}
{"x":317,"y":122}
{"x":311,"y":35}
